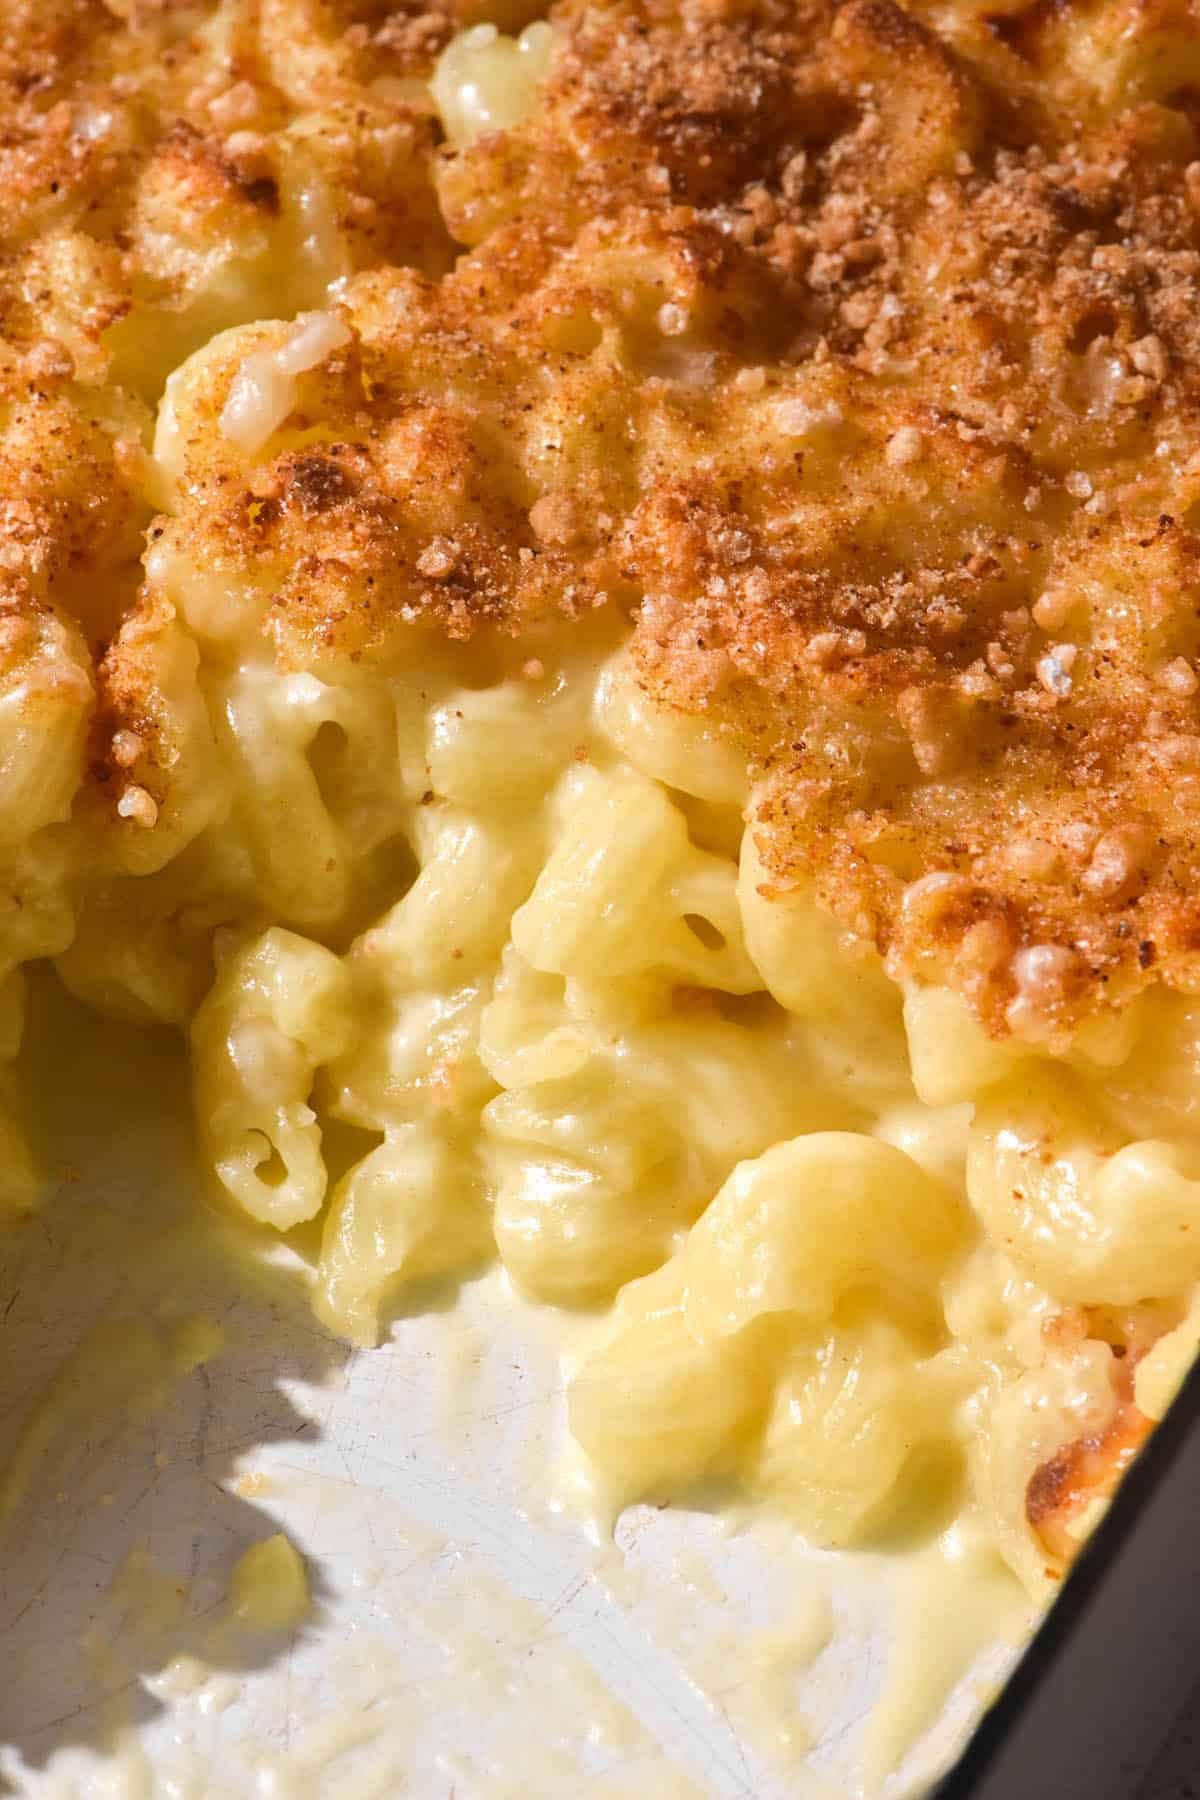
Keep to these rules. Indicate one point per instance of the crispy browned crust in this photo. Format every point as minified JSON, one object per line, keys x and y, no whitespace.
{"x":851,"y":348}
{"x":1087,"y":1469}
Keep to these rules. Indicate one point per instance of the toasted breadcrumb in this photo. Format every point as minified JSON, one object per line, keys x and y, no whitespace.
{"x":852,"y":350}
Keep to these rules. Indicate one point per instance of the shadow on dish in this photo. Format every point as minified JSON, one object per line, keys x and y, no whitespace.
{"x":148,"y":1346}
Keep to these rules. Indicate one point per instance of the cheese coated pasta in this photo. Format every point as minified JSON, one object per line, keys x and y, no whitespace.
{"x":599,"y":605}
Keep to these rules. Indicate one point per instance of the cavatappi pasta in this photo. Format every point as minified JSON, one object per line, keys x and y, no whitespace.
{"x":849,"y":1238}
{"x":443,"y":767}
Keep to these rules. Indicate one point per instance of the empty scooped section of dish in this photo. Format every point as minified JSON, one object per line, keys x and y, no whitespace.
{"x":458,"y":1568}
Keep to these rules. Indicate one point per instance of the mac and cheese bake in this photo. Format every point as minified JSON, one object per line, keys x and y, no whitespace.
{"x":609,"y":604}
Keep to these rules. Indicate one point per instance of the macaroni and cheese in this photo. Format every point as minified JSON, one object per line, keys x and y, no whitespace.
{"x":610,"y":600}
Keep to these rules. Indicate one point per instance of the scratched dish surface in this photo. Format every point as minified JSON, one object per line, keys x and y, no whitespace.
{"x":449,"y":1599}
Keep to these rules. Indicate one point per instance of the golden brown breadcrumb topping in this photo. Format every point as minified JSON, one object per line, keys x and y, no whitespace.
{"x":852,"y":349}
